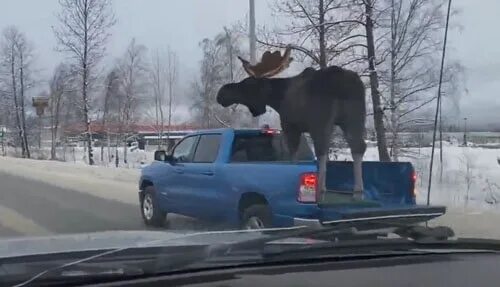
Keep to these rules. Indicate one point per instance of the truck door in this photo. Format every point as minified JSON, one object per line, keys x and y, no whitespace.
{"x":177,"y":188}
{"x":204,"y":184}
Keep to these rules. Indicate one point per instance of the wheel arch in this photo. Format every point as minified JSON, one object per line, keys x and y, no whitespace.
{"x":248,"y":199}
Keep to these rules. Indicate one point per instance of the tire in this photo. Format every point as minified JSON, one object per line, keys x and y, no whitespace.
{"x":256,"y":216}
{"x":150,"y":211}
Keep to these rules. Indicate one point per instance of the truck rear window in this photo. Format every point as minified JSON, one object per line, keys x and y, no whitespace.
{"x":267,"y":148}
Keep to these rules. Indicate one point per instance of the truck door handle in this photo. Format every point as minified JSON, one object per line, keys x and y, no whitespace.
{"x":207,"y":172}
{"x":179,"y":170}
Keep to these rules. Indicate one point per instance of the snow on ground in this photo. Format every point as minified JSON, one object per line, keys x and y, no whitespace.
{"x":471,"y":175}
{"x":112,"y":183}
{"x":470,"y":186}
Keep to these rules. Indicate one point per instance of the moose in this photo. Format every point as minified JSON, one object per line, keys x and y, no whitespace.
{"x":313,"y":102}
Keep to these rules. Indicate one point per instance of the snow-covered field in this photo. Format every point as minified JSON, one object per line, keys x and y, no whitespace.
{"x":470,"y":178}
{"x":470,"y":185}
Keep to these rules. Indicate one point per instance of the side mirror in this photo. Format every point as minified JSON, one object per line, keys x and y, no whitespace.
{"x":161,"y":155}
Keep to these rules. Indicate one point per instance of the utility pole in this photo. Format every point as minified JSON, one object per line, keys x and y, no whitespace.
{"x":438,"y":105}
{"x":253,"y":40}
{"x":253,"y":46}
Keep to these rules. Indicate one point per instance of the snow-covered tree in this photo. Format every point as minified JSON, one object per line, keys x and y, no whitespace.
{"x":16,"y":59}
{"x":82,"y":34}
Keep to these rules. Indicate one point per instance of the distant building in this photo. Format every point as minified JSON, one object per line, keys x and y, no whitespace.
{"x":143,"y":134}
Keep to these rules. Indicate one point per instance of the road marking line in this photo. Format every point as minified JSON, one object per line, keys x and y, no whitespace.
{"x":12,"y":219}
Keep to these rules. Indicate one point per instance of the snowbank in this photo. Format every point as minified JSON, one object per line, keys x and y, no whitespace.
{"x":112,"y":183}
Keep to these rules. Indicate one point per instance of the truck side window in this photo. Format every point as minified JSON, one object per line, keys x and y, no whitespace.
{"x":207,"y":149}
{"x":266,"y":148}
{"x":183,"y":152}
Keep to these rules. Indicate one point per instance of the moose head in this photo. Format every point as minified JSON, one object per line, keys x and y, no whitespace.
{"x":255,"y":91}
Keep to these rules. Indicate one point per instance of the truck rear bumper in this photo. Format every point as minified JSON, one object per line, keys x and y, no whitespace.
{"x":368,"y":219}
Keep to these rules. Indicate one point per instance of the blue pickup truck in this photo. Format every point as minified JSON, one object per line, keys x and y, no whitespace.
{"x":245,"y":178}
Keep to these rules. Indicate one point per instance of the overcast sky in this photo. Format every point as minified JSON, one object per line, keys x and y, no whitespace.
{"x":182,"y":24}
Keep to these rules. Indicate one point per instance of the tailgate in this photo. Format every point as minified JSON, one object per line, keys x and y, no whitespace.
{"x":385,"y":215}
{"x":386,"y":183}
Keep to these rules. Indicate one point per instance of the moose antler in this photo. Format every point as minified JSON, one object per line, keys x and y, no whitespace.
{"x":271,"y":64}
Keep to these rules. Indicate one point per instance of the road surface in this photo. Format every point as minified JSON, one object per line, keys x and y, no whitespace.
{"x":31,"y":208}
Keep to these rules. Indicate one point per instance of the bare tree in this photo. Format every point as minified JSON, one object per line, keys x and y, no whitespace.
{"x":164,"y":76}
{"x":218,"y":66}
{"x":171,"y":82}
{"x":410,"y":75}
{"x":324,"y":31}
{"x":158,"y":81}
{"x":133,"y":71}
{"x":378,"y":112}
{"x":468,"y":164}
{"x":16,"y":62}
{"x":82,"y":34}
{"x":60,"y":85}
{"x":112,"y":86}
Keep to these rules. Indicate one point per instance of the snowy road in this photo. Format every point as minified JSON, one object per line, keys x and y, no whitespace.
{"x":30,"y":208}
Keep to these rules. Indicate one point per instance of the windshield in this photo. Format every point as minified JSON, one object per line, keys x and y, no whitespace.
{"x":188,"y":117}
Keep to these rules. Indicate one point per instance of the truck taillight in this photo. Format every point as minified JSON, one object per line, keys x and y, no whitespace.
{"x":413,"y":179}
{"x":307,"y":188}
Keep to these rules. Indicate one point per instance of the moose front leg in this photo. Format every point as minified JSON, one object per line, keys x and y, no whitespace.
{"x":322,"y":160}
{"x":358,"y":175}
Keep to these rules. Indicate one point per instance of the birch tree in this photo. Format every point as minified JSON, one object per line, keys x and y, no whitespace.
{"x":324,"y":32}
{"x":164,"y":80}
{"x":378,"y":111}
{"x":112,"y":86}
{"x":60,"y":85}
{"x":158,"y":72}
{"x":219,"y":65}
{"x":133,"y":71}
{"x":82,"y":34}
{"x":172,"y":74}
{"x":410,"y":74}
{"x":16,"y":77}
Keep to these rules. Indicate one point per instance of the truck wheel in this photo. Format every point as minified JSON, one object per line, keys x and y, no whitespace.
{"x":150,"y":211}
{"x":257,"y":216}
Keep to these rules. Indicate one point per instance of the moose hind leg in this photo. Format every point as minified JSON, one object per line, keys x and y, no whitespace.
{"x":357,"y":145}
{"x":292,"y":137}
{"x":321,"y":142}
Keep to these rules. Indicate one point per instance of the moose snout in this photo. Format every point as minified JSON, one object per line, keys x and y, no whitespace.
{"x":225,"y":97}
